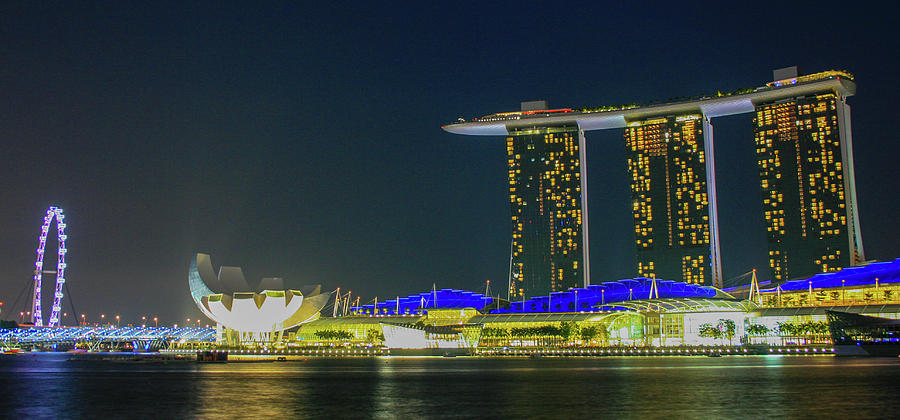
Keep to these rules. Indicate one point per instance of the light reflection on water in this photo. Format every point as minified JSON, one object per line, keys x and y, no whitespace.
{"x":47,"y":385}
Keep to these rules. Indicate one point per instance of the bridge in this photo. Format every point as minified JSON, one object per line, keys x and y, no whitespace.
{"x":104,"y":338}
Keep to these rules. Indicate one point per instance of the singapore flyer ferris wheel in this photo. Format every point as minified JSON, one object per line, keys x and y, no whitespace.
{"x":36,"y":314}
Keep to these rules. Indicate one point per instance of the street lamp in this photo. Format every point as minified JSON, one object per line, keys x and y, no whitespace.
{"x":810,"y":291}
{"x":576,"y":300}
{"x":156,"y":322}
{"x":83,"y":322}
{"x":843,"y":293}
{"x":117,"y":321}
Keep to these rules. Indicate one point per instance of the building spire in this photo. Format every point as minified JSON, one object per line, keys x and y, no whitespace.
{"x":337,"y":302}
{"x":754,"y":288}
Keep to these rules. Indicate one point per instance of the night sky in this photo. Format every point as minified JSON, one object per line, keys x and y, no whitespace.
{"x":304,"y":141}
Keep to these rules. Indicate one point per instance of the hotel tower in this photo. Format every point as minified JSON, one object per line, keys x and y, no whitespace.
{"x":547,"y":201}
{"x":804,"y":155}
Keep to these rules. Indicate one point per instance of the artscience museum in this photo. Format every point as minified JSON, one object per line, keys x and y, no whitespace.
{"x":245,"y":313}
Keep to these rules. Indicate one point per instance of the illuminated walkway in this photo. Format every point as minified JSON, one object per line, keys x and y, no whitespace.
{"x":97,"y":335}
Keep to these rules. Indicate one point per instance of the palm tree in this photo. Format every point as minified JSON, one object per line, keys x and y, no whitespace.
{"x":757,"y":329}
{"x":728,"y":328}
{"x":588,"y":333}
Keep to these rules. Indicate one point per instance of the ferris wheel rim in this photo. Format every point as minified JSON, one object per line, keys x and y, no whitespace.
{"x":53,"y":213}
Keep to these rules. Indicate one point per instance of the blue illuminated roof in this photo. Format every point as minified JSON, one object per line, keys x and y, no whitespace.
{"x":594,"y":297}
{"x":419,"y":303}
{"x":885,"y":272}
{"x":601,"y":296}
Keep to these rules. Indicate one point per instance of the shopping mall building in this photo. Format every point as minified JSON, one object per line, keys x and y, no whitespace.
{"x":637,"y":312}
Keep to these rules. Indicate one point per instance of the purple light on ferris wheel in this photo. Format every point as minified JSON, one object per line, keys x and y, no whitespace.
{"x":36,"y":312}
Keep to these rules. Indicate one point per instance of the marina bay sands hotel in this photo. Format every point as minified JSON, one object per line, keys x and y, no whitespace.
{"x":804,"y":155}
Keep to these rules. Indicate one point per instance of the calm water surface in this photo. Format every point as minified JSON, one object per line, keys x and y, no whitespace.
{"x":49,"y":386}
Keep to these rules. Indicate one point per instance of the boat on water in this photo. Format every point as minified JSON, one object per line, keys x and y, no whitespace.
{"x":212,"y":356}
{"x":11,"y":350}
{"x":861,"y":335}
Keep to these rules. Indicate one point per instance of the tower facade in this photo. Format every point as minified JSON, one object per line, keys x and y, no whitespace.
{"x":805,"y":160}
{"x":667,"y":164}
{"x":546,"y":195}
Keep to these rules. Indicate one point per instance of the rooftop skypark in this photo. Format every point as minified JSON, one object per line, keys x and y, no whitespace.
{"x":712,"y":105}
{"x":773,"y":86}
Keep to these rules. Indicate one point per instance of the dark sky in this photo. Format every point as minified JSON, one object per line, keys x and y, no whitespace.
{"x":304,"y":141}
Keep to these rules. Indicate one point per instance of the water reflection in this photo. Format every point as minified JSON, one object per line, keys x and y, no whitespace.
{"x":40,"y":386}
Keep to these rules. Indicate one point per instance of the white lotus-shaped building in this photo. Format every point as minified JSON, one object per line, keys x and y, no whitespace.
{"x":228,"y":300}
